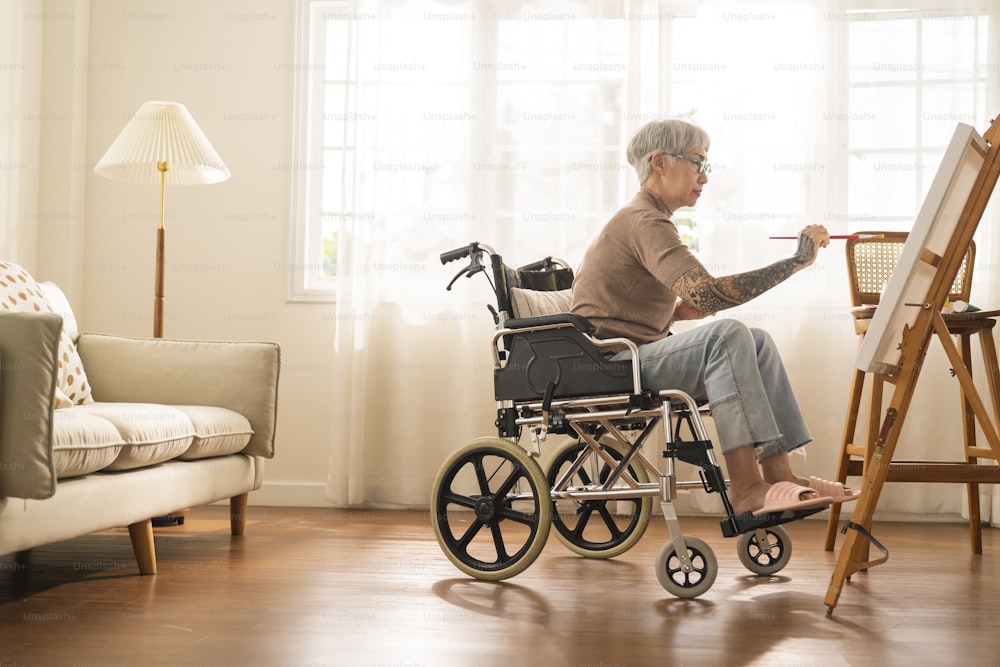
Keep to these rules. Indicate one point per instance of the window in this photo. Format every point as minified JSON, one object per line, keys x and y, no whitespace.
{"x":928,"y":69}
{"x":422,"y":125}
{"x":431,"y":124}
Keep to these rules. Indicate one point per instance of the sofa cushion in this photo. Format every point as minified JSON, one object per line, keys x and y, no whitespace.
{"x":82,"y":443}
{"x":217,"y":431}
{"x":151,"y":433}
{"x":19,"y":292}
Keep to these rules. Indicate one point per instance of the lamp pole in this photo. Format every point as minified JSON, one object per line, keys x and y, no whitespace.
{"x":160,"y":249}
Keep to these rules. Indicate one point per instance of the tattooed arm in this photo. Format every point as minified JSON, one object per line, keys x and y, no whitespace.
{"x":707,"y":293}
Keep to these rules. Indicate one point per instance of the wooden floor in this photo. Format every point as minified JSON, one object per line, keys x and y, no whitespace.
{"x":332,"y":587}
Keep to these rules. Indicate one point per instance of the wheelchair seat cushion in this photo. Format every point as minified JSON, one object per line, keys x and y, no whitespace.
{"x":532,"y":303}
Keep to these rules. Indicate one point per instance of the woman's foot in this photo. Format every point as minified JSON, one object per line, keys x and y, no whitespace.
{"x":778,"y":497}
{"x":779,"y":469}
{"x":747,"y":490}
{"x":748,"y":498}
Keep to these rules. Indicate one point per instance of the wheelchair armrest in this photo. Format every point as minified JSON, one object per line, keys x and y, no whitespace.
{"x":580,"y":323}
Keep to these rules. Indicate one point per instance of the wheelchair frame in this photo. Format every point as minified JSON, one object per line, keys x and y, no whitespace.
{"x":601,"y":463}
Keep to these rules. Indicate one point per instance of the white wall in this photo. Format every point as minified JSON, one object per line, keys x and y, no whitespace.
{"x":228,"y":61}
{"x":20,"y":124}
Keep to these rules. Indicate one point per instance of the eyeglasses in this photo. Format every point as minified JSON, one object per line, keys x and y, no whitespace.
{"x":702,"y":165}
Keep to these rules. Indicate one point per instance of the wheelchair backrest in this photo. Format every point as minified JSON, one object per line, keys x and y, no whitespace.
{"x":561,"y":361}
{"x":540,"y":288}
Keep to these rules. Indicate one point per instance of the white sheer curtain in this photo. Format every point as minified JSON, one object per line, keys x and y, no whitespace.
{"x":506,"y":123}
{"x":498,"y":122}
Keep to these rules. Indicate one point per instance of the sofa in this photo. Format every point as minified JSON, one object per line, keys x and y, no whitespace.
{"x":100,"y":431}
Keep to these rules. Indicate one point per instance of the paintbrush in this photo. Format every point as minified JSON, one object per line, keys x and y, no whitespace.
{"x":838,"y":236}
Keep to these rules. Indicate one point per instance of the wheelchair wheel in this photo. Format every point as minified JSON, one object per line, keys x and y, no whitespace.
{"x":765,"y":550}
{"x":490,"y":509}
{"x":690,"y":584}
{"x":597,"y":528}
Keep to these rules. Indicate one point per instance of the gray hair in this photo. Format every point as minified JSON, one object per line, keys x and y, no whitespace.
{"x":663,"y":136}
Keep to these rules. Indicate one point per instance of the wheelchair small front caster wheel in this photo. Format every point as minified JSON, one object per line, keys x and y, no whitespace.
{"x":688,"y":582}
{"x":765,"y":551}
{"x":491,"y":509}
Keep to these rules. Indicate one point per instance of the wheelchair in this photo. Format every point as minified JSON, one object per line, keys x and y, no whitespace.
{"x":492,"y":503}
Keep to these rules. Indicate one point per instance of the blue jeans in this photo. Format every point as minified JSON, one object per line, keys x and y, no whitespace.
{"x":739,"y":372}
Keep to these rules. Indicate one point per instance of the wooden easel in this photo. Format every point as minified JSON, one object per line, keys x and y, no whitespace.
{"x":913,"y":348}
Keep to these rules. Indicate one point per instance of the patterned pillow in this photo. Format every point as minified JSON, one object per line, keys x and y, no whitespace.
{"x":60,"y":306}
{"x":20,"y":293}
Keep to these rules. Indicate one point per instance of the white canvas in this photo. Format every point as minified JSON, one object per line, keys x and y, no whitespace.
{"x":934,"y":226}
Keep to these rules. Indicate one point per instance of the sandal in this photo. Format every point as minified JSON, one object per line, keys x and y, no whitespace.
{"x":785,"y":496}
{"x":836,"y":490}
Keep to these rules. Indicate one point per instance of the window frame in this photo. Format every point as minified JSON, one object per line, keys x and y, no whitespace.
{"x":303,"y":273}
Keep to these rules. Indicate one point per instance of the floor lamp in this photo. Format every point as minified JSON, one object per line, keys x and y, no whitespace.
{"x":160,"y":145}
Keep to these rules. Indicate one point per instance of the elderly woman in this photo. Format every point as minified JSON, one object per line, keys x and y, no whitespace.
{"x":638,"y":277}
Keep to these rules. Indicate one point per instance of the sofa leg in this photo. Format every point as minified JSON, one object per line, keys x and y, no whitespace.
{"x":238,"y":513}
{"x":141,"y":534}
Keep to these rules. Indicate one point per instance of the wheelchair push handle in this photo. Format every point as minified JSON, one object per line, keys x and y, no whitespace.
{"x":474,"y":249}
{"x":458,"y":253}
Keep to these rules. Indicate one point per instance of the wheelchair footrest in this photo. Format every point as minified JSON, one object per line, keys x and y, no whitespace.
{"x":745,"y":523}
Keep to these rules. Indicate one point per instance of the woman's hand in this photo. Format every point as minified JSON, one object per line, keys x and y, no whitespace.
{"x":811,"y":239}
{"x":685,"y":311}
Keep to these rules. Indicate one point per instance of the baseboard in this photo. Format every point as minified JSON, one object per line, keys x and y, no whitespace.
{"x":284,"y":494}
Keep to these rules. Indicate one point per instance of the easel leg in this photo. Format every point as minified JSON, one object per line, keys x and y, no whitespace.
{"x":969,"y":431}
{"x":844,"y":463}
{"x":855,"y":547}
{"x":854,"y":550}
{"x":871,"y":438}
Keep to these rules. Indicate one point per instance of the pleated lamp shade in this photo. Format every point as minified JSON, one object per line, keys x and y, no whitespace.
{"x":162,"y":132}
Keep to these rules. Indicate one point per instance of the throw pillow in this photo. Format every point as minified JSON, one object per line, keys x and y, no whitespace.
{"x":60,"y":306}
{"x":20,"y":293}
{"x":532,"y":303}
